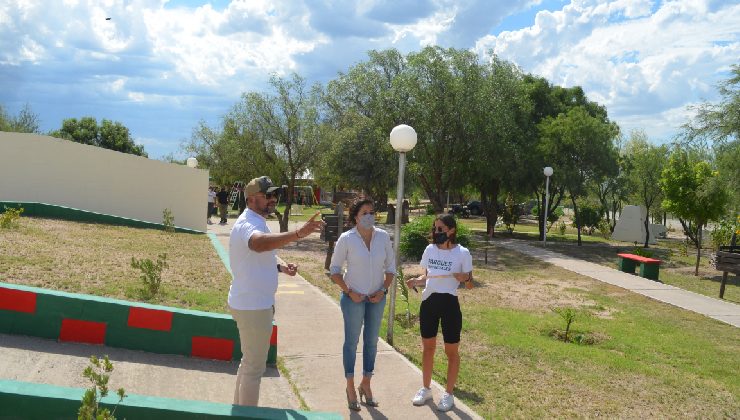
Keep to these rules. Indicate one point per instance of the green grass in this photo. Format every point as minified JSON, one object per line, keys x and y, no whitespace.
{"x":651,"y":360}
{"x":95,"y":259}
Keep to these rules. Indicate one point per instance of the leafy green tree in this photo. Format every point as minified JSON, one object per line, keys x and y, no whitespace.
{"x":110,"y":135}
{"x":647,"y":162}
{"x":581,"y":148}
{"x":25,"y":122}
{"x":285,"y":127}
{"x":362,"y":109}
{"x":498,"y":125}
{"x":433,"y":85}
{"x":694,"y":193}
{"x":548,"y":102}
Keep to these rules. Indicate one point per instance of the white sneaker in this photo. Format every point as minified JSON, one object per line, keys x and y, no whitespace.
{"x":422,"y":396}
{"x":446,"y":403}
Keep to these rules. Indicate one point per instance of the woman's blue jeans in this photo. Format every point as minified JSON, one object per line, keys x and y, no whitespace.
{"x":355,"y":315}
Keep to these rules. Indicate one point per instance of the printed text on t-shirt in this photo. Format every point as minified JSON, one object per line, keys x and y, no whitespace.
{"x":439,"y":265}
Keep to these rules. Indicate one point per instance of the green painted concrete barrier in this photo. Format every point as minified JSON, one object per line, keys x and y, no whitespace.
{"x":23,"y":400}
{"x":53,"y":211}
{"x":26,"y":310}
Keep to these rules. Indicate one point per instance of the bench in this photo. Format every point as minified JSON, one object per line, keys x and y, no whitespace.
{"x":649,"y":267}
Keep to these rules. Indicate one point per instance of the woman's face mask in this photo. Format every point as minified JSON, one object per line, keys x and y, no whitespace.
{"x":367,"y":221}
{"x":440,"y":237}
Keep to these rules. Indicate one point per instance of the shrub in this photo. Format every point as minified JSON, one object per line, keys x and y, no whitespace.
{"x":415,"y":236}
{"x":553,"y":216}
{"x":604,"y":228}
{"x":561,"y":227}
{"x":588,"y":217}
{"x":10,"y":217}
{"x":511,"y":213}
{"x":722,"y":233}
{"x":98,"y":373}
{"x":429,"y":210}
{"x":151,"y":273}
{"x":168,"y":220}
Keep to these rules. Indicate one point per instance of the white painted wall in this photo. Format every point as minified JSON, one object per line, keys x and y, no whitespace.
{"x":44,"y":169}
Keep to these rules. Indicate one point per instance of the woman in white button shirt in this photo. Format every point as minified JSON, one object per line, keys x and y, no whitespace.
{"x":370,"y":269}
{"x":446,"y":265}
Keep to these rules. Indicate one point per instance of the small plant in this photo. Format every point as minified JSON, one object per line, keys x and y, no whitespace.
{"x":168,"y":221}
{"x":604,"y":229}
{"x":10,"y":217}
{"x":511,"y":213}
{"x":98,"y":373}
{"x":404,"y":289}
{"x":569,"y":316}
{"x":561,"y":226}
{"x":429,"y":210}
{"x":642,"y":252}
{"x":151,"y":273}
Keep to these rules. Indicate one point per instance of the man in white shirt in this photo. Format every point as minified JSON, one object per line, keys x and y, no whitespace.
{"x":253,"y":262}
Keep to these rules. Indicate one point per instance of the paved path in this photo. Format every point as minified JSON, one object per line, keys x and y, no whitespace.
{"x":310,"y":336}
{"x":38,"y":360}
{"x":721,"y":310}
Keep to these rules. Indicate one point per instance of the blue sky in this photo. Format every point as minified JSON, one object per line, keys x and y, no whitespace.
{"x":161,"y":66}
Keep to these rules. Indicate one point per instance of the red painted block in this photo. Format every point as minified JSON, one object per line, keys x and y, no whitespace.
{"x":273,"y":337}
{"x":212,"y":348}
{"x":17,"y":300}
{"x":79,"y":331}
{"x":152,"y":319}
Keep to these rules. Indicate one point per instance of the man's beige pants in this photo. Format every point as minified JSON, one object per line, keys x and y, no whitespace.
{"x":255,"y":328}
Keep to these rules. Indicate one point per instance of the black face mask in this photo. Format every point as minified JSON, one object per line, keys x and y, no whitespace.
{"x":440,"y":237}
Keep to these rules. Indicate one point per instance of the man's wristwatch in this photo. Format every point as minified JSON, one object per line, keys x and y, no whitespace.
{"x":280,"y":270}
{"x":385,"y":290}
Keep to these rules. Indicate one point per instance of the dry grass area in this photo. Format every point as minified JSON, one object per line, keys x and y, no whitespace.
{"x":96,"y":259}
{"x":651,"y":360}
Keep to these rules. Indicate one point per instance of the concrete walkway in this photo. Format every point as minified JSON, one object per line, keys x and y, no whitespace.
{"x":721,"y":310}
{"x":310,"y":337}
{"x":39,"y":360}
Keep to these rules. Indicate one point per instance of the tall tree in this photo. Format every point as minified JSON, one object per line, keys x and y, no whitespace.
{"x":647,"y":163}
{"x":435,"y":87}
{"x":287,"y":126}
{"x":498,"y":124}
{"x":109,"y":135}
{"x":362,"y":109}
{"x":692,"y":193}
{"x":581,"y":147}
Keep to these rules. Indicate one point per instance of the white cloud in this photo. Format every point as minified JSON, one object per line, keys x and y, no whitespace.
{"x":643,"y":59}
{"x":639,"y":65}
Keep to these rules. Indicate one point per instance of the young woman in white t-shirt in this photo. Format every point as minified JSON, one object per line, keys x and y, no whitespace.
{"x":446,"y":265}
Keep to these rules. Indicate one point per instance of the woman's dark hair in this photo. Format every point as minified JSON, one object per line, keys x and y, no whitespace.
{"x":355,"y":208}
{"x":451,"y":223}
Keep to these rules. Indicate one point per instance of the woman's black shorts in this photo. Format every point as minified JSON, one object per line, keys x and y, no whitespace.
{"x":444,"y":307}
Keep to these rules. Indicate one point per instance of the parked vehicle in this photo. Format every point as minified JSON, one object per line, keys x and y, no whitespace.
{"x":459,"y":210}
{"x":475,"y":208}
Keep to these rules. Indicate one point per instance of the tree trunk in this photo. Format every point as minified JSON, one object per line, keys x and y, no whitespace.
{"x":284,"y":219}
{"x":647,"y":228}
{"x":698,"y":250}
{"x":575,"y":215}
{"x":489,"y":201}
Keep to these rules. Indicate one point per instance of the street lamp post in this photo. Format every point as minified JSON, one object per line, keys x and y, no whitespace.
{"x":403,"y":139}
{"x":548,"y":174}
